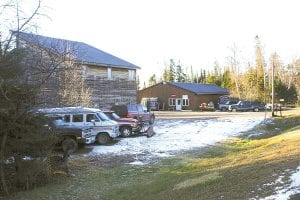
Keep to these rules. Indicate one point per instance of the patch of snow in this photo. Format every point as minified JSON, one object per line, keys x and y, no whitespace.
{"x":173,"y":136}
{"x":137,"y":162}
{"x":254,"y":135}
{"x":269,"y":121}
{"x":284,"y":192}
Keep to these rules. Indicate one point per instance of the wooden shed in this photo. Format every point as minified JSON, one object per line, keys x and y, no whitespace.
{"x":182,"y":96}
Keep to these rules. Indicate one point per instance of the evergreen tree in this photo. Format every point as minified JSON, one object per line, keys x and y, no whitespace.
{"x":172,"y":72}
{"x":180,"y":76}
{"x":152,"y":80}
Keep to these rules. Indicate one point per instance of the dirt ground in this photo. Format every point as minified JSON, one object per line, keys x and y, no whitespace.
{"x":218,"y":114}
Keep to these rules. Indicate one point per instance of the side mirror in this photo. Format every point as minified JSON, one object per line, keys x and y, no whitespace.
{"x":94,"y":122}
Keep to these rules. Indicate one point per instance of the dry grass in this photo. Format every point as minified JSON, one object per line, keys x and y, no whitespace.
{"x":244,"y":152}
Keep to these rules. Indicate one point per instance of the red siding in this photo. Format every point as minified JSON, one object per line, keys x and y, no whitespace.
{"x":164,"y":92}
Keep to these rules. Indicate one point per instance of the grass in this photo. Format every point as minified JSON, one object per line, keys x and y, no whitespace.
{"x":236,"y":169}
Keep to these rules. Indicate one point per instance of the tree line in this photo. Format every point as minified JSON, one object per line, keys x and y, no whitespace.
{"x":244,"y":81}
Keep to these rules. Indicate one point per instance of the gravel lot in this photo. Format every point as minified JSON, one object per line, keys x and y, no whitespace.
{"x":176,"y":132}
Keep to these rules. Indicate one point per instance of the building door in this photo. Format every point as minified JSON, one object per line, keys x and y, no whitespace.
{"x":178,"y":104}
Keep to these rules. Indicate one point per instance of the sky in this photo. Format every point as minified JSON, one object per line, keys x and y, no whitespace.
{"x":148,"y":33}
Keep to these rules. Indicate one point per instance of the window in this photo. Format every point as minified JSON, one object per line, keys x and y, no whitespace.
{"x":140,"y":109}
{"x":90,"y":117}
{"x":78,"y":118}
{"x":67,"y":118}
{"x":109,"y":73}
{"x":131,"y":74}
{"x":132,"y":108}
{"x":172,"y":102}
{"x":185,"y":100}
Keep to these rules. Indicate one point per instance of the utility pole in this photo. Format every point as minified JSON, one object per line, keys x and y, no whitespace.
{"x":273,"y":92}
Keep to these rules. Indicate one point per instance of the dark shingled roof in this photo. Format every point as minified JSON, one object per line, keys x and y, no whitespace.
{"x":200,"y":88}
{"x":82,"y":53}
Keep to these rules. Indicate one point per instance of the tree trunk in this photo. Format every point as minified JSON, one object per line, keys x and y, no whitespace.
{"x":2,"y":158}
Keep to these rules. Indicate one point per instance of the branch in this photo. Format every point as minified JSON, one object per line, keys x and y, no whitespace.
{"x":32,"y":16}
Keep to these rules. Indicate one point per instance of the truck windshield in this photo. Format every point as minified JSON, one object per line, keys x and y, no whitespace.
{"x":102,"y":116}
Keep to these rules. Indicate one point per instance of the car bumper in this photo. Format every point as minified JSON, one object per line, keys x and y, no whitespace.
{"x":90,"y":140}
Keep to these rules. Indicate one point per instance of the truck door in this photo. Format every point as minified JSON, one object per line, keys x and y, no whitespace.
{"x":92,"y":119}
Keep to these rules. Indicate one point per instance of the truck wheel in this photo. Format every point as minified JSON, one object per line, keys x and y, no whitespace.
{"x":255,"y":109}
{"x":125,"y":131}
{"x":151,"y":120}
{"x":69,"y":145}
{"x":102,"y":138}
{"x":233,"y":109}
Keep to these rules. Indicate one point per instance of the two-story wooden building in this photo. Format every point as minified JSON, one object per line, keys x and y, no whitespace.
{"x":110,"y":80}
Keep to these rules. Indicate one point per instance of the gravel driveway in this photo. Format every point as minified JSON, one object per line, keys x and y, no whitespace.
{"x":177,"y":132}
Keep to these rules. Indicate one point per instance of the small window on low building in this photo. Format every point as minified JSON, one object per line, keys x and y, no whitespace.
{"x":185,"y":100}
{"x":172,"y":102}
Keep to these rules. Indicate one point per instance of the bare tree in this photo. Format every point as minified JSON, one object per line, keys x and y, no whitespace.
{"x":73,"y":91}
{"x":234,"y":63}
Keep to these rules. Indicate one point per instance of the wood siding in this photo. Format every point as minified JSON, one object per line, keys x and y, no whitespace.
{"x":105,"y":92}
{"x":109,"y":92}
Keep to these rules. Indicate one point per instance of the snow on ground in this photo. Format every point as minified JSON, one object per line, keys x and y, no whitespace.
{"x":285,"y":191}
{"x":173,"y":136}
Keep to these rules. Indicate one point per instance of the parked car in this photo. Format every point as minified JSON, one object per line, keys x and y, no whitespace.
{"x":150,"y":103}
{"x":135,"y":111}
{"x":225,"y":106}
{"x":104,"y":128}
{"x":246,"y":106}
{"x":127,"y":126}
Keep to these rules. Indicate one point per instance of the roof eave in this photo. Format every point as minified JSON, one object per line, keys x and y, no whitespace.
{"x":106,"y":65}
{"x":212,"y":93}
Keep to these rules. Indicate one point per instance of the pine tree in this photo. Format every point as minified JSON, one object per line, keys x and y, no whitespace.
{"x":152,"y":80}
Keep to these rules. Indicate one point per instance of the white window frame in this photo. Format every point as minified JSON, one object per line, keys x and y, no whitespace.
{"x":131,"y":75}
{"x":109,"y":73}
{"x":172,"y":101}
{"x":185,"y":100}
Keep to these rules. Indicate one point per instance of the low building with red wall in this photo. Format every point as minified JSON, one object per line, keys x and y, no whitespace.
{"x":182,"y":96}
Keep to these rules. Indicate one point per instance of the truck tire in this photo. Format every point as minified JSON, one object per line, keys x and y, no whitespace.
{"x":125,"y":131}
{"x":233,"y":109}
{"x":255,"y":109}
{"x":103,"y":138}
{"x":69,"y":145}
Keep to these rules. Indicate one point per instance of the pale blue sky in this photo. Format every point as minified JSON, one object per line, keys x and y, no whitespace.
{"x":197,"y":32}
